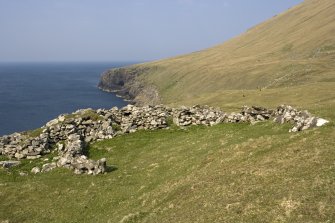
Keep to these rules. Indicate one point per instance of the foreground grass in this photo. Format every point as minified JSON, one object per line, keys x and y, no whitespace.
{"x":225,"y":173}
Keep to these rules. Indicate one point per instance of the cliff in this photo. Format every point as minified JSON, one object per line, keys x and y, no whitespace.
{"x":126,"y":82}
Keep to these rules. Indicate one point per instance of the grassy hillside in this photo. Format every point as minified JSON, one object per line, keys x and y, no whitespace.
{"x":292,"y":52}
{"x":225,"y":173}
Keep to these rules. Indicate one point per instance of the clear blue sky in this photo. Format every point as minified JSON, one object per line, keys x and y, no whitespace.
{"x":123,"y":30}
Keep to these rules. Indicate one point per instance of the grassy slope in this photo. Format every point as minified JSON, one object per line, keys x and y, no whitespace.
{"x":295,"y":48}
{"x":226,"y":173}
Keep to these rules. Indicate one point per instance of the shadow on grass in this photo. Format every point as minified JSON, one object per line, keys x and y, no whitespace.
{"x":111,"y":168}
{"x":95,"y":154}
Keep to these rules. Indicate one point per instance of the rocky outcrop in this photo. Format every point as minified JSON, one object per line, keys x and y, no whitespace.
{"x":67,"y":135}
{"x":127,"y":84}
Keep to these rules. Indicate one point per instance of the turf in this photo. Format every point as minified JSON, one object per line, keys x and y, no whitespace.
{"x":225,"y":173}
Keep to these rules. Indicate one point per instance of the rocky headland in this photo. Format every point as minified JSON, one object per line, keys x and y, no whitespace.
{"x":68,"y":135}
{"x":126,"y":83}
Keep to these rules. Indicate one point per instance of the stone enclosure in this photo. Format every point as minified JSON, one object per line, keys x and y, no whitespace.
{"x":68,"y":135}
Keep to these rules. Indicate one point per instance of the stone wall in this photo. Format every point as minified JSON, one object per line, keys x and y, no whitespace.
{"x":67,"y":135}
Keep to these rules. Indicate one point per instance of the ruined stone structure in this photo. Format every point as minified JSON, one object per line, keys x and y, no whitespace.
{"x":67,"y":135}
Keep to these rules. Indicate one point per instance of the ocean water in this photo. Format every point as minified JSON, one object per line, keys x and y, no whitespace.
{"x":33,"y":93}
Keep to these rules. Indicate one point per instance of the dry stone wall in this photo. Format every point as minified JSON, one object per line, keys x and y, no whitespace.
{"x":67,"y":135}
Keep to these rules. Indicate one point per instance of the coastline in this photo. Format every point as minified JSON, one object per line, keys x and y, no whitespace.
{"x":126,"y":84}
{"x":117,"y":95}
{"x":33,"y":93}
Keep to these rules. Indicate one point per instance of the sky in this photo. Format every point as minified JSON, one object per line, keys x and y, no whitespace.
{"x":123,"y":30}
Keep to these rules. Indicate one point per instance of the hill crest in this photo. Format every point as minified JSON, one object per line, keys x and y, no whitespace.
{"x":293,"y":50}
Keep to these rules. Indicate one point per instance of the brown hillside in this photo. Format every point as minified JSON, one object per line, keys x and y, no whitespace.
{"x":289,"y":57}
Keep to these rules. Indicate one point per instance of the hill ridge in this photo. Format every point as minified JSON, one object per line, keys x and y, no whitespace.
{"x":294,"y":50}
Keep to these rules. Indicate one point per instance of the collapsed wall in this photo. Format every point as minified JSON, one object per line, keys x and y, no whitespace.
{"x":67,"y":135}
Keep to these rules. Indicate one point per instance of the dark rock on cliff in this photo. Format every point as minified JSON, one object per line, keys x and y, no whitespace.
{"x":126,"y":82}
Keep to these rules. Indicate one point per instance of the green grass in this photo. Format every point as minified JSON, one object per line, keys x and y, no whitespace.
{"x":225,"y":173}
{"x":33,"y":133}
{"x":86,"y":114}
{"x":116,"y":127}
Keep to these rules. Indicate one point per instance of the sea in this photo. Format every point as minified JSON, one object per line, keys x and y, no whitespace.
{"x":31,"y":94}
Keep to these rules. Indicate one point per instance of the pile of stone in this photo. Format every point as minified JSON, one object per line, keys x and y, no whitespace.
{"x":60,"y":128}
{"x":204,"y":115}
{"x":302,"y":120}
{"x":197,"y":115}
{"x":20,"y":146}
{"x":132,"y":118}
{"x":69,"y":134}
{"x":71,"y":157}
{"x":256,"y":113}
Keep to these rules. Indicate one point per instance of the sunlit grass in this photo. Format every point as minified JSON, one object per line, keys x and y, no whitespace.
{"x":229,"y":172}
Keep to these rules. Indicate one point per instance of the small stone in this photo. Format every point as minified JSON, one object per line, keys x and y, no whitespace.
{"x":132,"y":130}
{"x":294,"y":129}
{"x":35,"y":143}
{"x":60,"y":146}
{"x":78,"y":171}
{"x":36,"y":153}
{"x":61,"y":118}
{"x":33,"y":157}
{"x":35,"y":170}
{"x":48,"y":167}
{"x":260,"y":118}
{"x":19,"y":156}
{"x":321,"y":122}
{"x":153,"y":122}
{"x":64,"y":161}
{"x":52,"y":122}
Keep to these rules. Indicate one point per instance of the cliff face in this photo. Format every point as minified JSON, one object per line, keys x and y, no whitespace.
{"x":127,"y":83}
